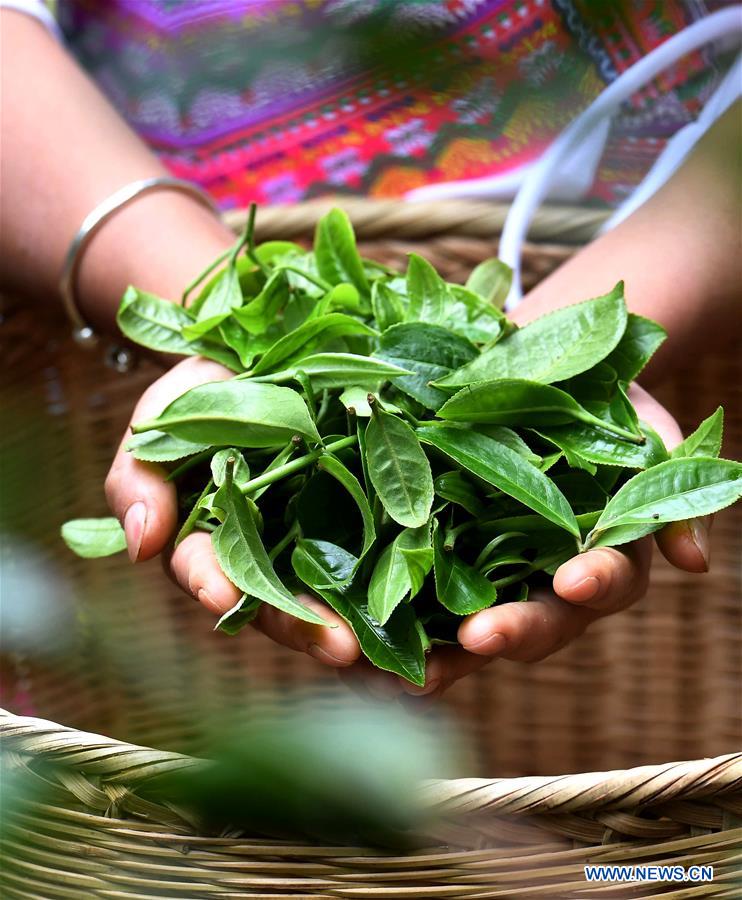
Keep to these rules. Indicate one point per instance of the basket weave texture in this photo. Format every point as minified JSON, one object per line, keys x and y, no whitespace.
{"x":121,"y":653}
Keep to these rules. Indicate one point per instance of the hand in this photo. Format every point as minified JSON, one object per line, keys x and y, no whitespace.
{"x":589,"y":586}
{"x":145,"y":503}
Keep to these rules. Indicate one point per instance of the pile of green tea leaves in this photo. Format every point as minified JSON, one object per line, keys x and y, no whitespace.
{"x":396,"y":446}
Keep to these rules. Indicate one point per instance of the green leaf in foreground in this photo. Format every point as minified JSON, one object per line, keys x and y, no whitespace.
{"x":427,"y":291}
{"x":307,"y":338}
{"x":243,"y":558}
{"x":92,"y":538}
{"x":468,"y":315}
{"x":454,"y":487}
{"x":220,"y":462}
{"x":258,"y":314}
{"x":332,"y":465}
{"x":157,"y":324}
{"x":157,"y":446}
{"x":705,"y":440}
{"x":395,"y":646}
{"x":504,"y":435}
{"x":429,"y":352}
{"x":391,"y":581}
{"x":239,"y":413}
{"x":398,"y":469}
{"x":491,"y":279}
{"x":459,"y":587}
{"x":670,"y":492}
{"x":193,"y":516}
{"x":241,"y":614}
{"x":504,"y":469}
{"x":638,"y":344}
{"x":600,"y":448}
{"x":224,"y":296}
{"x":336,"y":252}
{"x":553,"y":347}
{"x":333,"y":370}
{"x":515,"y":401}
{"x":387,"y":305}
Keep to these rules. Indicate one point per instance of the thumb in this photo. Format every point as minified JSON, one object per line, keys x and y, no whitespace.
{"x":686,"y":544}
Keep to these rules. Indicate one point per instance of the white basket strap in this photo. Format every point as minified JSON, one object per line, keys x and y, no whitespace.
{"x":723,"y":24}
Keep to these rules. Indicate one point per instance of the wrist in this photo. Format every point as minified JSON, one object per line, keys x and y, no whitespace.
{"x":158,"y":243}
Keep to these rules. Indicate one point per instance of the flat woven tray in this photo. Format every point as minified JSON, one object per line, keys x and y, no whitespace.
{"x":110,"y":649}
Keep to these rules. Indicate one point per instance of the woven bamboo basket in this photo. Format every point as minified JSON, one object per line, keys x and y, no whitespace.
{"x":110,"y":649}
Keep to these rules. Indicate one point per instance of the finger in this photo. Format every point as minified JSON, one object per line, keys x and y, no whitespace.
{"x":137,"y":492}
{"x":686,"y":544}
{"x":605,"y":579}
{"x":650,"y":410}
{"x":524,"y":631}
{"x":194,"y":567}
{"x":444,"y":666}
{"x":369,"y":682}
{"x":334,"y":646}
{"x":683,"y":544}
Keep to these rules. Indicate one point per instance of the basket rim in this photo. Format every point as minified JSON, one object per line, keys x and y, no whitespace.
{"x":644,"y":787}
{"x":375,"y":219}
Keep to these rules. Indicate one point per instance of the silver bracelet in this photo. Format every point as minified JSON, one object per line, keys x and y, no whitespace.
{"x":82,"y":331}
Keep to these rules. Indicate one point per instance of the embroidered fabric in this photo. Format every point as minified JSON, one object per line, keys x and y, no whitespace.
{"x":472,"y":89}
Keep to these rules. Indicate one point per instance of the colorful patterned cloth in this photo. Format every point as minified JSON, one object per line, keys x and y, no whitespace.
{"x":280,"y":100}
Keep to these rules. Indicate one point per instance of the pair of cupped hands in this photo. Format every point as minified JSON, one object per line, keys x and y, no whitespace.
{"x":587,"y":587}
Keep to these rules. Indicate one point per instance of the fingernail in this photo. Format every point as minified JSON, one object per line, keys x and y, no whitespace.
{"x":700,"y":537}
{"x":324,"y":656}
{"x":205,"y":598}
{"x":492,"y":644}
{"x":134,"y":522}
{"x":587,"y":588}
{"x":420,"y":690}
{"x":383,"y":688}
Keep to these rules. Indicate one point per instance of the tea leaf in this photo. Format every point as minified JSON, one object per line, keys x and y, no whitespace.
{"x":427,"y":292}
{"x":398,"y":469}
{"x":197,"y":330}
{"x":512,"y":401}
{"x":454,"y":487}
{"x":604,"y":449}
{"x":355,"y":400}
{"x":505,"y":469}
{"x":219,"y":462}
{"x":468,"y":315}
{"x":491,"y":279}
{"x":223,"y":297}
{"x":243,"y":557}
{"x":460,"y":587}
{"x":395,"y":646}
{"x":307,"y":338}
{"x":336,"y":253}
{"x":157,"y":446}
{"x":504,"y":435}
{"x":705,"y":440}
{"x":239,"y":413}
{"x":92,"y":538}
{"x":553,"y":347}
{"x":636,"y":347}
{"x":241,"y":614}
{"x":333,"y":370}
{"x":193,"y":516}
{"x":430,"y":352}
{"x":391,"y":580}
{"x":157,"y":324}
{"x":258,"y":314}
{"x":669,"y":492}
{"x":387,"y":306}
{"x":332,"y":465}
